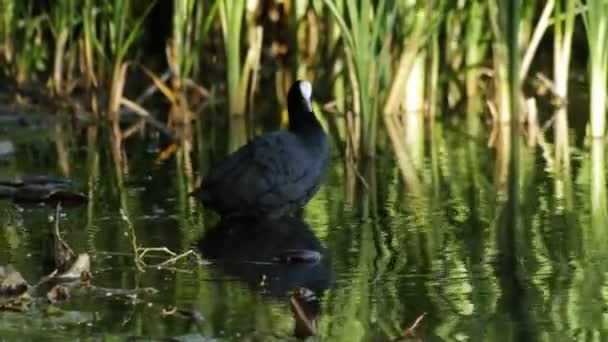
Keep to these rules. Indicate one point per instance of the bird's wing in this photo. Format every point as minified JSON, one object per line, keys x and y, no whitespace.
{"x":258,"y":173}
{"x":228,"y":168}
{"x":285,"y":166}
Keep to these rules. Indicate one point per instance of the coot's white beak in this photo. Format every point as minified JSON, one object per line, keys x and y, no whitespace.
{"x":306,"y":91}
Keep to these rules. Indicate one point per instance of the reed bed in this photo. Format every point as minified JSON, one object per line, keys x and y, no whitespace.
{"x":396,"y":66}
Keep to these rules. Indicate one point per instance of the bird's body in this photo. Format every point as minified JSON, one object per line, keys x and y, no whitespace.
{"x":276,"y":172}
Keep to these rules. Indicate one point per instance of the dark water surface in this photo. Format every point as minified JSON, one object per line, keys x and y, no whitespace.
{"x":387,"y":257}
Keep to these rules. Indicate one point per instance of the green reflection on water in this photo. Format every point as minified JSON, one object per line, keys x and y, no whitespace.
{"x":394,"y":255}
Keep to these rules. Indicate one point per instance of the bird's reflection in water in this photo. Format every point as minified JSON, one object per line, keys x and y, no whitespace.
{"x":280,"y":258}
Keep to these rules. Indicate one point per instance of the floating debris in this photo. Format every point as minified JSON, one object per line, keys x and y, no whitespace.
{"x":41,"y":190}
{"x":58,"y":293}
{"x":11,"y":282}
{"x":80,"y":270}
{"x":14,"y":294}
{"x":77,"y":277}
{"x":306,"y":309}
{"x":50,"y":195}
{"x":50,"y":181}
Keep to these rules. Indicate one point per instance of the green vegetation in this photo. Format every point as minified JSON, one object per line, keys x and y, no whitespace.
{"x":596,"y":24}
{"x":362,"y":30}
{"x":472,"y":134}
{"x":232,"y":14}
{"x":405,"y":59}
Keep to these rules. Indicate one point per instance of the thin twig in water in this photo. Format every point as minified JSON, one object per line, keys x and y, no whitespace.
{"x":176,"y":258}
{"x":131,"y":231}
{"x":411,"y":331}
{"x":143,"y":251}
{"x":57,"y":233}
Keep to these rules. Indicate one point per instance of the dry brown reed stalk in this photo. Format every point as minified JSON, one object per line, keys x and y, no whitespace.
{"x":87,"y":62}
{"x":539,"y":30}
{"x":179,"y":113}
{"x":116,"y":91}
{"x":252,"y":63}
{"x":147,"y":117}
{"x":138,"y":126}
{"x":393,"y":125}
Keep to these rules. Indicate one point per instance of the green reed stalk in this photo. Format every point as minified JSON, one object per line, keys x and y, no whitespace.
{"x":63,"y":18}
{"x":475,"y":51}
{"x":596,"y":23}
{"x":231,"y":14}
{"x":512,"y":23}
{"x":512,"y":231}
{"x":191,"y":24}
{"x":562,"y":45}
{"x":31,"y":52}
{"x":118,"y":13}
{"x":92,"y":181}
{"x":183,"y":12}
{"x":7,"y":29}
{"x":501,"y":59}
{"x":597,"y":184}
{"x":204,"y":17}
{"x":454,"y":25}
{"x":433,"y":89}
{"x":361,"y":25}
{"x":332,"y":42}
{"x":88,"y":41}
{"x":122,"y":34}
{"x":509,"y":227}
{"x":527,"y":14}
{"x":21,"y":40}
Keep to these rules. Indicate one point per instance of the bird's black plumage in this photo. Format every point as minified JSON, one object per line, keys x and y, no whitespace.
{"x":274,"y":173}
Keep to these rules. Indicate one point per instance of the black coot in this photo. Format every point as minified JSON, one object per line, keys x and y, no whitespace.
{"x":276,"y":172}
